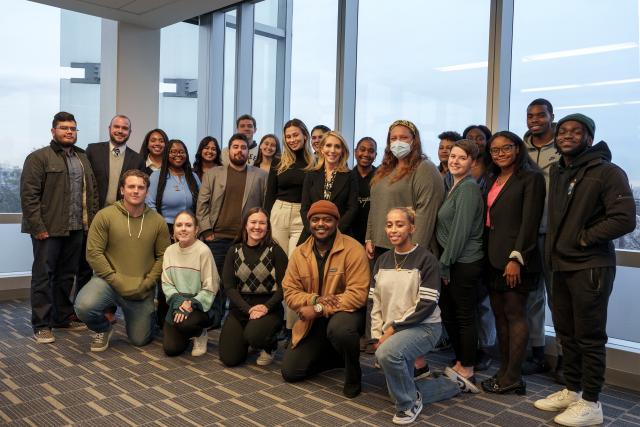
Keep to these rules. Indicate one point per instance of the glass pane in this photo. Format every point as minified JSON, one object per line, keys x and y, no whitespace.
{"x":36,"y":72}
{"x":596,"y":73}
{"x":178,"y":115}
{"x":264,"y":83}
{"x":418,"y":66}
{"x":229,"y":100}
{"x":266,"y":12}
{"x":313,"y":61}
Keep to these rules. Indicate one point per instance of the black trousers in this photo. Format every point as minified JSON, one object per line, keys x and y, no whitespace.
{"x":219,"y":248}
{"x":580,"y":302}
{"x":176,"y":337}
{"x":458,"y":301}
{"x":55,"y":265}
{"x":239,"y":332}
{"x":331,"y":343}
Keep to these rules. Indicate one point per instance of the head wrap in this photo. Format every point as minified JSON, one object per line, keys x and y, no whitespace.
{"x":405,"y":123}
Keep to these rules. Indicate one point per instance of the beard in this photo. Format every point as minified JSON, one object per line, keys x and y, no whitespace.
{"x":238,"y":161}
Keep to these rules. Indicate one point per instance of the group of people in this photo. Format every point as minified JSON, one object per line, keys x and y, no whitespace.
{"x":263,"y":240}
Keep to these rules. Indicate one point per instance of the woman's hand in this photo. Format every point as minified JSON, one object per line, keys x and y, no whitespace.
{"x":257,"y":311}
{"x":512,"y":273}
{"x":445,"y":281}
{"x":185,"y":309}
{"x":387,"y":333}
{"x":370,"y":248}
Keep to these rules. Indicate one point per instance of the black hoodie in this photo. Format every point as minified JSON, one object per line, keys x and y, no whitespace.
{"x":590,"y":205}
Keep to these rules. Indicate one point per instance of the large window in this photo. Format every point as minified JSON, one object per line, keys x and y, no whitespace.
{"x":178,"y":105}
{"x":229,"y":102}
{"x":421,"y":61}
{"x":43,"y":72}
{"x":596,"y":73}
{"x":313,"y":61}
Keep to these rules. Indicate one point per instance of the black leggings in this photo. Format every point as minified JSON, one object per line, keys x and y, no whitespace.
{"x":330,"y":343}
{"x":177,"y":336}
{"x":510,"y":308}
{"x":458,"y":301}
{"x":239,"y":332}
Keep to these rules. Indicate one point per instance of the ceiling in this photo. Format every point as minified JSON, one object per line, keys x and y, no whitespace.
{"x":146,"y":13}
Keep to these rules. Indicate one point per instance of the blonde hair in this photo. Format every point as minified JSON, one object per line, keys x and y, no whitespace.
{"x":288,"y":156}
{"x":408,"y":211}
{"x":319,"y":165}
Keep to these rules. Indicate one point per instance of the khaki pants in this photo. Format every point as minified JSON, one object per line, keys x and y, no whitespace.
{"x":286,"y":227}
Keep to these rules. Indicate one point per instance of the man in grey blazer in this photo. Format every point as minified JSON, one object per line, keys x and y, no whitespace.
{"x":220,"y":206}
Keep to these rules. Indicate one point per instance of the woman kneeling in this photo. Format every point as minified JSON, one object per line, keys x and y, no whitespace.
{"x":190,"y":281}
{"x":252,"y":276}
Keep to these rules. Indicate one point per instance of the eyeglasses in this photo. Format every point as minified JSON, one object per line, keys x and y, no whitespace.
{"x":176,"y":153}
{"x":67,"y":128}
{"x":505,"y":150}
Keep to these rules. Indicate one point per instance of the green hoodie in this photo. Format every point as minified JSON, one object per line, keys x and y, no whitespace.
{"x":126,"y":251}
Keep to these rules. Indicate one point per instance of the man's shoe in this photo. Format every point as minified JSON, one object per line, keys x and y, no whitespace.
{"x":264,"y":358}
{"x":467,"y":385}
{"x":351,"y":390}
{"x":535,"y":366}
{"x":100,"y":341}
{"x":558,"y":401}
{"x":419,"y":373}
{"x":200,"y":344}
{"x":581,"y":413}
{"x":44,"y":336}
{"x":410,"y":415}
{"x":73,"y":325}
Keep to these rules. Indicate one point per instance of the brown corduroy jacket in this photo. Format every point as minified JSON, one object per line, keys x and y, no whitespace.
{"x":346,"y":273}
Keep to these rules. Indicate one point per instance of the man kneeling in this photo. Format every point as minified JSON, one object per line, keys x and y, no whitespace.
{"x":326,"y":283}
{"x":125,"y":246}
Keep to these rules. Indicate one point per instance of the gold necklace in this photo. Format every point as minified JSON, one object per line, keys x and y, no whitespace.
{"x":399,"y":265}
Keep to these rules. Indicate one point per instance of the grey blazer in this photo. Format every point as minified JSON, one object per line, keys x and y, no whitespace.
{"x":211,"y":195}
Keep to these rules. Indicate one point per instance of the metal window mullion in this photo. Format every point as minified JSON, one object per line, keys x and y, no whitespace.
{"x":500,"y":59}
{"x":211,"y":74}
{"x":244,"y":59}
{"x":283,"y":65}
{"x":346,"y":70}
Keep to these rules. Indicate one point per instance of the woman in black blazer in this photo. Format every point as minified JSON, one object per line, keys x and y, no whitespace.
{"x":514,"y":208}
{"x":330,"y":179}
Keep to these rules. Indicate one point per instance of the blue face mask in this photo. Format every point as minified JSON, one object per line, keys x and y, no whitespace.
{"x":400,"y":149}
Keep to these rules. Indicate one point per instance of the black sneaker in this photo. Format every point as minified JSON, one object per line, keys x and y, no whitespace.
{"x":419,"y":373}
{"x":535,"y":366}
{"x":410,"y":415}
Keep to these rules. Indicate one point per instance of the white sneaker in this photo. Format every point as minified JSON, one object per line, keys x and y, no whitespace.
{"x":581,"y":413}
{"x":410,"y":415}
{"x":200,"y":344}
{"x":264,"y":359}
{"x":558,"y":401}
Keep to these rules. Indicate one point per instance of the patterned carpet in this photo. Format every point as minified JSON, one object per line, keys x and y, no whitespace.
{"x":65,"y":384}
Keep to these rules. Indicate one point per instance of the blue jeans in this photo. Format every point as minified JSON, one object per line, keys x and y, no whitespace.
{"x":397,"y":356}
{"x":97,"y":297}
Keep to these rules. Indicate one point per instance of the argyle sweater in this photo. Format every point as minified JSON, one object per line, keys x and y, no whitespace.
{"x":253,"y":275}
{"x":406,"y":296}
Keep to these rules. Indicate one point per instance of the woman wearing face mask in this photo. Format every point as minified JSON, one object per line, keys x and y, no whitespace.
{"x":152,"y":149}
{"x":513,"y":211}
{"x":190,"y":282}
{"x":253,"y":271}
{"x":330,"y":179}
{"x":459,"y":232}
{"x":406,"y":177}
{"x":268,"y":151}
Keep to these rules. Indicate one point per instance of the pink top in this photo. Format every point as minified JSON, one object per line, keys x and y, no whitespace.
{"x":491,"y":198}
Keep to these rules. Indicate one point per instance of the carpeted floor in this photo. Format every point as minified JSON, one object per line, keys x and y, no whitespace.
{"x":64,"y":383}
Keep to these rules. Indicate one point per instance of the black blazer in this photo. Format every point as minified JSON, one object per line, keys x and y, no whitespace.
{"x":98,"y":155}
{"x":515,"y":219}
{"x":344,"y":195}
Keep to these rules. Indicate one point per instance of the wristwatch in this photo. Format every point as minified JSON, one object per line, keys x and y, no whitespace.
{"x":318,"y":308}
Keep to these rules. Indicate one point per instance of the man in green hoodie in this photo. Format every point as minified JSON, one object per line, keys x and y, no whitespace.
{"x":125,"y":246}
